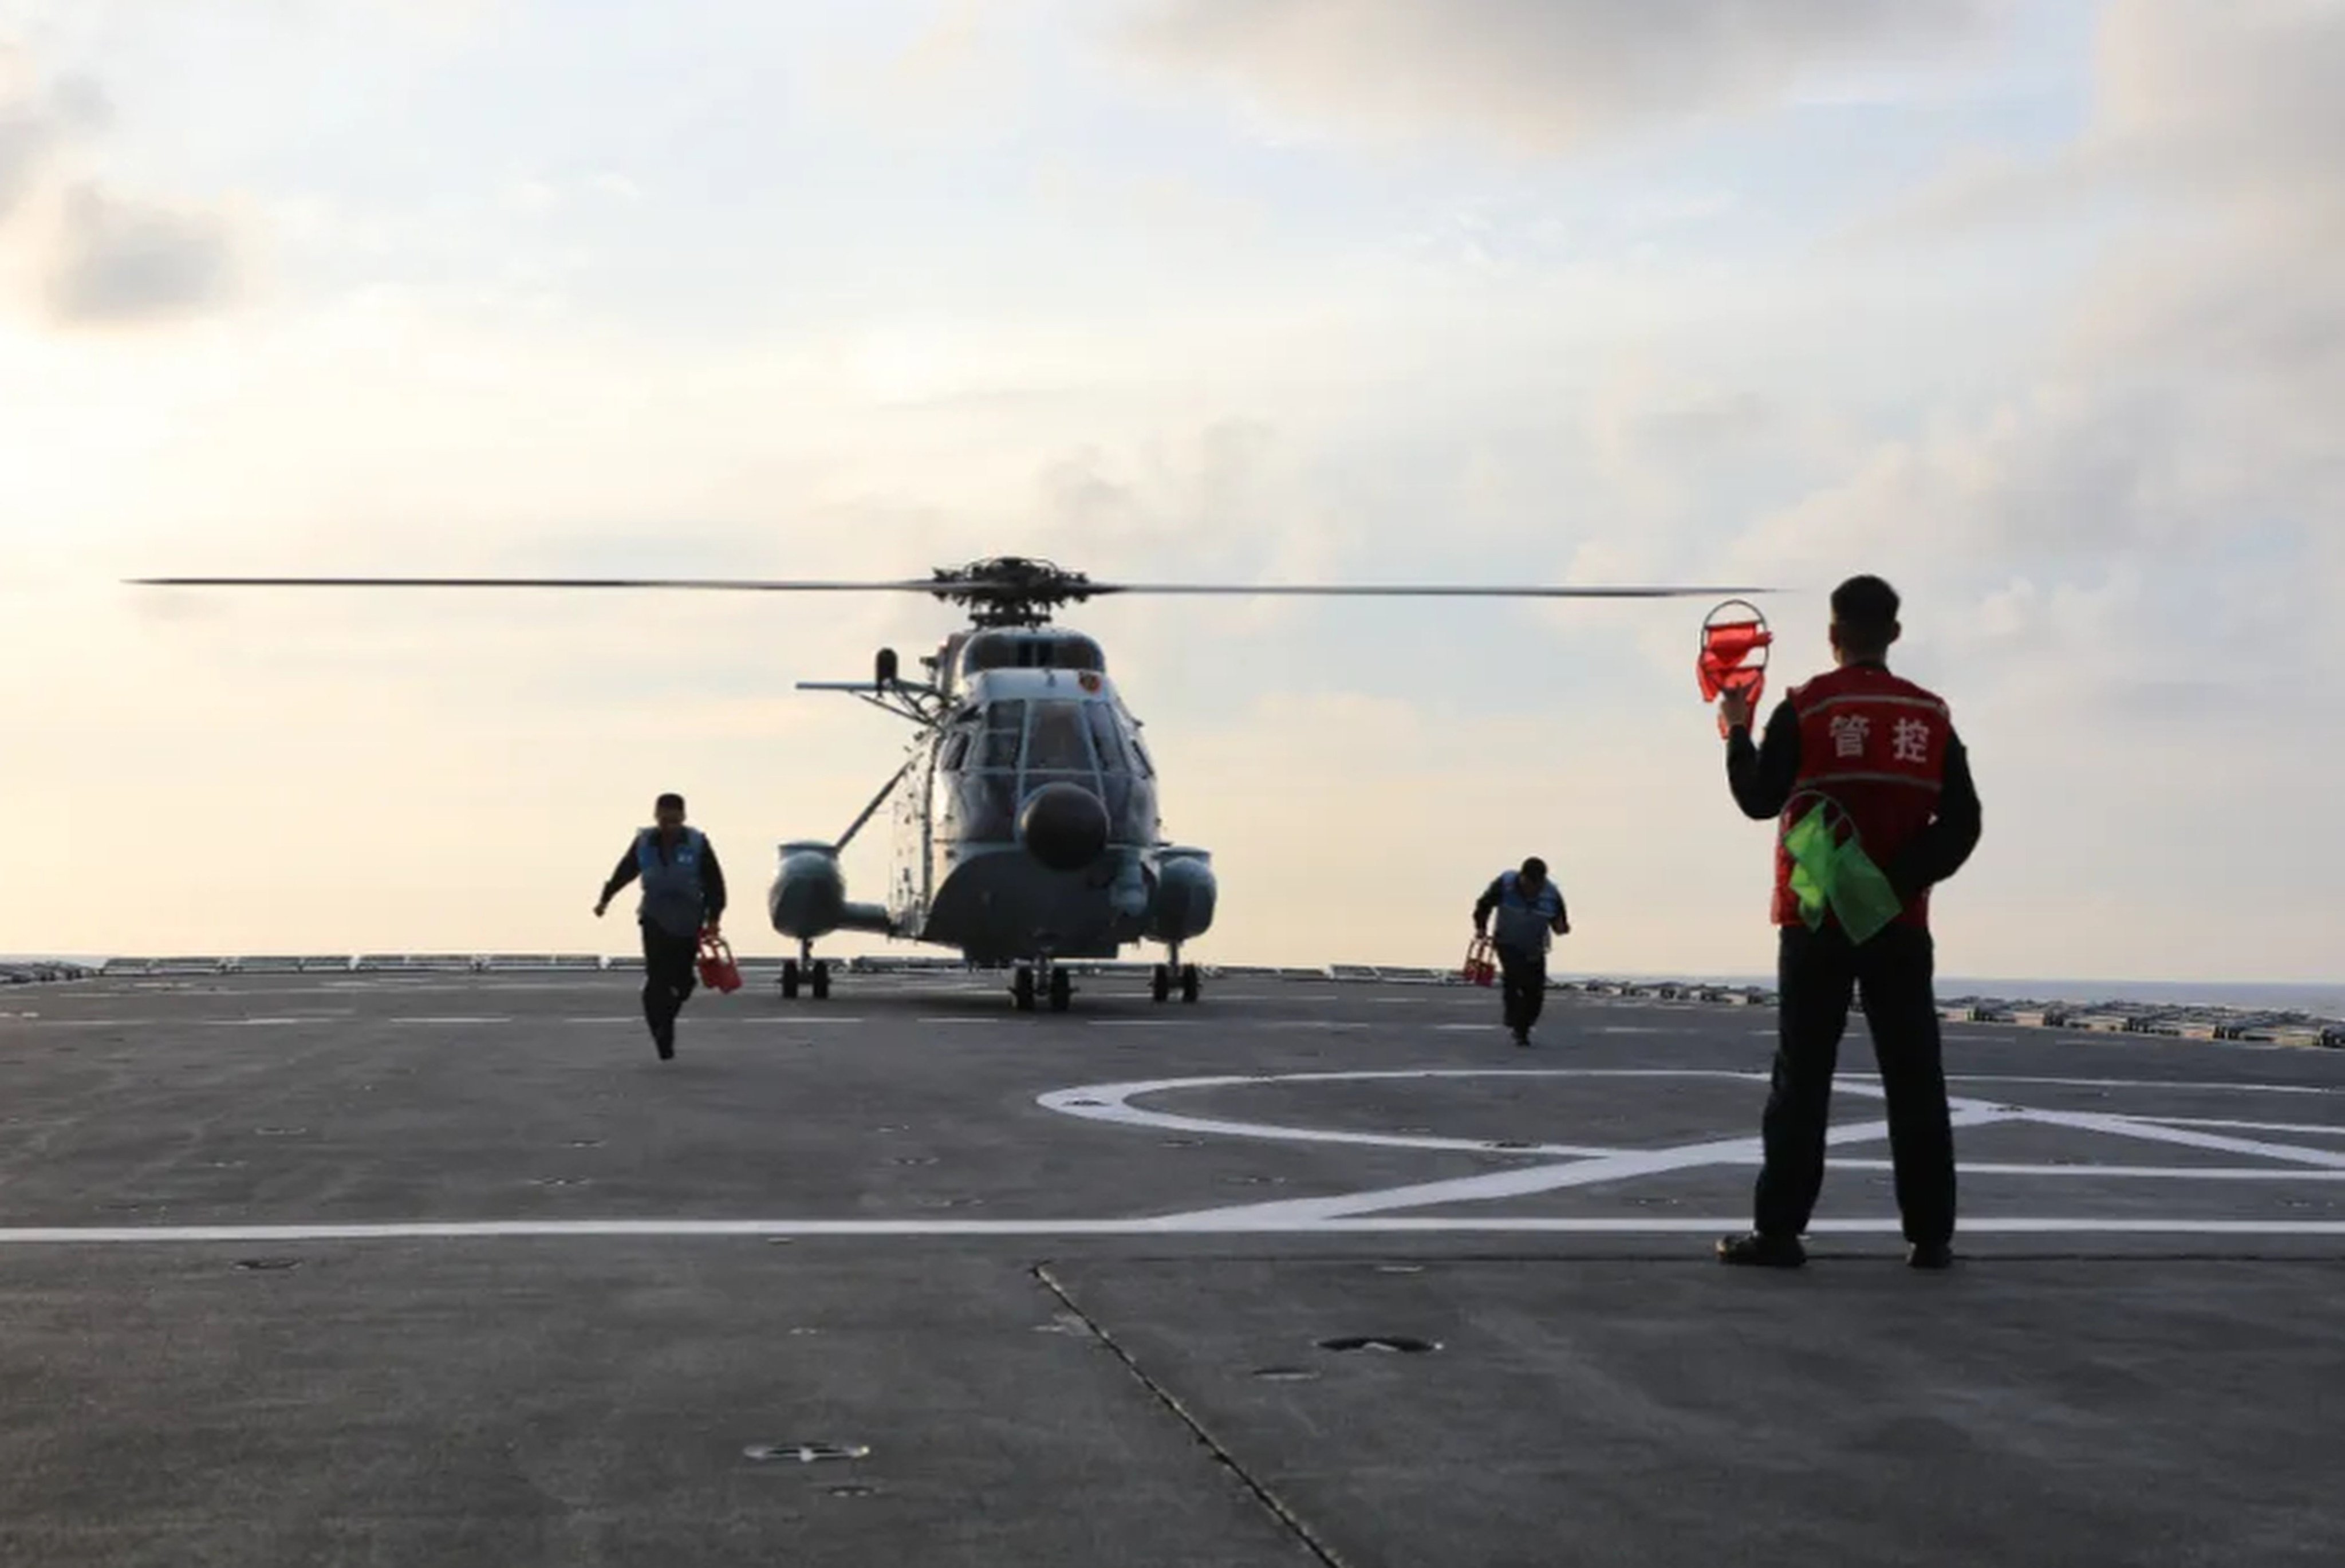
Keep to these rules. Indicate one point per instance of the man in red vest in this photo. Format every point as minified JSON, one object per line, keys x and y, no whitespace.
{"x":1872,"y":793}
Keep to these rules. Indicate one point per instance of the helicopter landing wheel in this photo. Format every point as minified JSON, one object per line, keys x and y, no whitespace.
{"x":1021,"y":989}
{"x":1191,"y":983}
{"x":1160,"y":984}
{"x":821,"y":981}
{"x":789,"y":980}
{"x":1063,"y":990}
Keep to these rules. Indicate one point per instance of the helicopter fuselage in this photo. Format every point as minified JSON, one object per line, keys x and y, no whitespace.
{"x":1026,"y":822}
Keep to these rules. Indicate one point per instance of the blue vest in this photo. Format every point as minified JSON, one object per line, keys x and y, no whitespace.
{"x":672,"y":900}
{"x":1525,"y":924}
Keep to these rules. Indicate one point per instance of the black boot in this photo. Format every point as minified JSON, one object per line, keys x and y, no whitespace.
{"x":1757,"y":1251}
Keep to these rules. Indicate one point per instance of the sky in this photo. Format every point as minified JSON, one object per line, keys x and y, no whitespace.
{"x":2033,"y":308}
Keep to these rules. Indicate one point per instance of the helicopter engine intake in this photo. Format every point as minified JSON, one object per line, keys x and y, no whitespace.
{"x":1185,"y":891}
{"x":1064,"y":826}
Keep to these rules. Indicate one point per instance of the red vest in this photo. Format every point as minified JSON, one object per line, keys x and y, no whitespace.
{"x":1875,"y":745}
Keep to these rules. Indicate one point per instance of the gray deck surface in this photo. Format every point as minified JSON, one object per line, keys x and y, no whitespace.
{"x":454,"y":1271}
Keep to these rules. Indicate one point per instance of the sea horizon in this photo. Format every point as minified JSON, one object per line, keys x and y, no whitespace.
{"x":2324,"y":999}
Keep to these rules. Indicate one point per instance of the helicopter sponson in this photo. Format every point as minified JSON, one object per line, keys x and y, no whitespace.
{"x":808,"y":896}
{"x":1185,"y":891}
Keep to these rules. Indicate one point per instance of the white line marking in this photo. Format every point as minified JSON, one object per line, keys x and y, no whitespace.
{"x":1111,"y":1106}
{"x":1625,"y":1165}
{"x":2316,"y":1129}
{"x":451,"y":1023}
{"x":1171,"y":1224}
{"x":2183,"y":1173}
{"x":2147,"y":1083}
{"x":1110,"y":1103}
{"x":2128,"y":1127}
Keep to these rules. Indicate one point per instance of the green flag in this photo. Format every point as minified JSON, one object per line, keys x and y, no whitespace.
{"x":1840,"y":875}
{"x":1810,"y":846}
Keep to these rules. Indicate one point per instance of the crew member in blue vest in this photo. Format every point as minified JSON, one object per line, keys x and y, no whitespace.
{"x":1531,"y":914}
{"x":683,"y":893}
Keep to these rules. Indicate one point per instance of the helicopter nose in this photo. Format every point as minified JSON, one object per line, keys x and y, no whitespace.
{"x":1064,"y":826}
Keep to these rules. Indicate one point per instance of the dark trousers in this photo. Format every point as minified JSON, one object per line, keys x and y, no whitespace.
{"x":1815,"y":974}
{"x":1522,"y":977}
{"x":670,"y":971}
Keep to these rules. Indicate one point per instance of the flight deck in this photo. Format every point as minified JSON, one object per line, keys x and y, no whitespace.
{"x":383,"y":1266}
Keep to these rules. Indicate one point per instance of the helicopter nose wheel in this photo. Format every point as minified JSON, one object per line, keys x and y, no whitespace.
{"x":814,"y":975}
{"x":1053,"y":982}
{"x":1160,"y":984}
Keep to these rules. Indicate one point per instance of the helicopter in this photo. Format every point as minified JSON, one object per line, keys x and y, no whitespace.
{"x":1028,"y":830}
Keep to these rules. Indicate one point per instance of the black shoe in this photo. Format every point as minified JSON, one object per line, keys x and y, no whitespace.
{"x":1523,"y":1038}
{"x":1762,"y":1251}
{"x":1931,"y":1255}
{"x":664,"y":1037}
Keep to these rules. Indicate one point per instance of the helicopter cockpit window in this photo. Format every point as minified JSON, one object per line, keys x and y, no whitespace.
{"x":1104,"y":738}
{"x":955,"y":751}
{"x":1057,"y":742}
{"x":986,"y":650}
{"x":1140,"y":755}
{"x":1005,"y":725}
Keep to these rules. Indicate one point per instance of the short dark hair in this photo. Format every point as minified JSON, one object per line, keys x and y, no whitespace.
{"x":1864,"y":609}
{"x":670,"y":798}
{"x":1535,"y":866}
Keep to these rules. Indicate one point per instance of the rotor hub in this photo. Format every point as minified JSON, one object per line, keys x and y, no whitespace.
{"x":1011,"y":591}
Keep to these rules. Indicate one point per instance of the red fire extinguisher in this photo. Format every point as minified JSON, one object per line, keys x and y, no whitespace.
{"x":1481,"y":963}
{"x":1726,"y":661}
{"x":718,"y":970}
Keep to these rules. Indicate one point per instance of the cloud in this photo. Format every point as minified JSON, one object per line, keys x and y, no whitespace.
{"x":2231,"y":109}
{"x":2144,"y":529}
{"x":34,"y":125}
{"x":1548,"y":74}
{"x":123,"y":260}
{"x":97,"y":257}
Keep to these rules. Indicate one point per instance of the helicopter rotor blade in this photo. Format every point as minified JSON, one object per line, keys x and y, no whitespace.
{"x":1422,"y":590}
{"x":975,"y":586}
{"x":720,"y":585}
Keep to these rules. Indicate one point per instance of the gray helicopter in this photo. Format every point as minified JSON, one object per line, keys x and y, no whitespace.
{"x":1027,"y":830}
